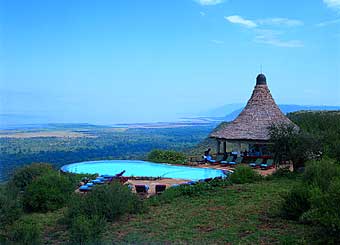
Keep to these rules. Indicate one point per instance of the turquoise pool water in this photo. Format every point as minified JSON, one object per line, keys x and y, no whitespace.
{"x":142,"y":168}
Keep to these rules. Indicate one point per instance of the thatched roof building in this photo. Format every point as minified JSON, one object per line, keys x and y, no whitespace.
{"x":252,"y":124}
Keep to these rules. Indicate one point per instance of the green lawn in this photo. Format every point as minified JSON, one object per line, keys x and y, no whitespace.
{"x":238,"y":214}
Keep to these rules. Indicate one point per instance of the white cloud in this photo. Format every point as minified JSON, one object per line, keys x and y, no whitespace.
{"x":203,"y":14}
{"x":334,"y":4}
{"x":280,"y":22}
{"x":236,"y":19}
{"x":329,"y":22}
{"x":269,"y":36}
{"x":209,"y":2}
{"x":273,"y":37}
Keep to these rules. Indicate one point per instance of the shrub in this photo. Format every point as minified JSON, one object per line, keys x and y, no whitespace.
{"x":283,"y":173}
{"x":25,"y":231}
{"x":109,"y":201}
{"x":321,"y":173}
{"x":289,"y":143}
{"x":295,"y":203}
{"x":316,"y":199}
{"x":10,"y":207}
{"x":87,"y":229}
{"x":325,"y":211}
{"x":244,"y":174}
{"x":23,"y":176}
{"x":171,"y":194}
{"x":77,"y":178}
{"x":47,"y":193}
{"x":167,"y":157}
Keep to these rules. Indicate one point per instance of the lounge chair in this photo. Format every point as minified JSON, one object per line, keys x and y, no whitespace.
{"x":160,"y":188}
{"x":237,"y":161}
{"x":210,"y":160}
{"x":90,"y":184}
{"x":257,"y":163}
{"x":120,"y":174}
{"x":268,"y":164}
{"x":142,"y":189}
{"x":84,"y":188}
{"x":229,"y":159}
{"x":97,"y":182}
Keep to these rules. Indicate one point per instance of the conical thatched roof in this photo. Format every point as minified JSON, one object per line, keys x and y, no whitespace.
{"x":259,"y":114}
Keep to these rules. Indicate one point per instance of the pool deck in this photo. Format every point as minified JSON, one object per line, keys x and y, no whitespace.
{"x":232,"y":168}
{"x":152,"y":183}
{"x":260,"y":171}
{"x":169,"y":181}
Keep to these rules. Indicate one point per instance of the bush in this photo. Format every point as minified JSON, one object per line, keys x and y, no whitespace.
{"x":109,"y":201}
{"x":170,"y":194}
{"x":283,"y":173}
{"x":316,"y":199}
{"x":167,"y":157}
{"x":296,"y":202}
{"x":289,"y":143}
{"x":47,"y":193}
{"x":325,"y":211}
{"x":25,"y":231}
{"x":87,"y":229}
{"x":22,"y":177}
{"x":244,"y":174}
{"x":10,"y":207}
{"x":77,"y":178}
{"x":321,"y":173}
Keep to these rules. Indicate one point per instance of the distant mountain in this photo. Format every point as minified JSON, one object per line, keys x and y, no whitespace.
{"x":221,"y":111}
{"x":285,"y":109}
{"x":291,"y":108}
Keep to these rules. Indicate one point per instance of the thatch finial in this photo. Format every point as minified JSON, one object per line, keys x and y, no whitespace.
{"x":261,"y":79}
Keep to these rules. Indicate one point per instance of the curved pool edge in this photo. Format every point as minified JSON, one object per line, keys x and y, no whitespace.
{"x":177,"y":170}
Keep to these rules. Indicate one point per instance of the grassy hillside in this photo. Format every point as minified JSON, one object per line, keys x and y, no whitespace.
{"x":325,"y":125}
{"x":238,"y":214}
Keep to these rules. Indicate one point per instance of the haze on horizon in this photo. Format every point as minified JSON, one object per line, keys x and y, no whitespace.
{"x":125,"y":61}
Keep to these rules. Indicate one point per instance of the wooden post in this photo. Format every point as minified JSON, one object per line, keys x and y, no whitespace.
{"x":218,"y":147}
{"x":224,"y":146}
{"x":239,"y":149}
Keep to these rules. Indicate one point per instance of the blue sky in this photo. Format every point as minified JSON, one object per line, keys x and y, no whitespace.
{"x":150,"y":60}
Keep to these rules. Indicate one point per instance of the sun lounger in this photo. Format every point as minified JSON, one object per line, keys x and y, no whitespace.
{"x":160,"y":188}
{"x":268,"y":164}
{"x":229,"y":159}
{"x":257,"y":163}
{"x":237,"y":161}
{"x":84,"y":188}
{"x":90,"y":184}
{"x":106,"y":176}
{"x":123,"y":179}
{"x":210,"y":160}
{"x":97,"y":182}
{"x":142,"y":189}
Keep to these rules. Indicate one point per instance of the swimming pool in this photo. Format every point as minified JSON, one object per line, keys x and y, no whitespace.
{"x":142,"y":168}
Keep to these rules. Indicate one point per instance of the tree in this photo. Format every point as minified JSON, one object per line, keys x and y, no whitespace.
{"x":288,"y":143}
